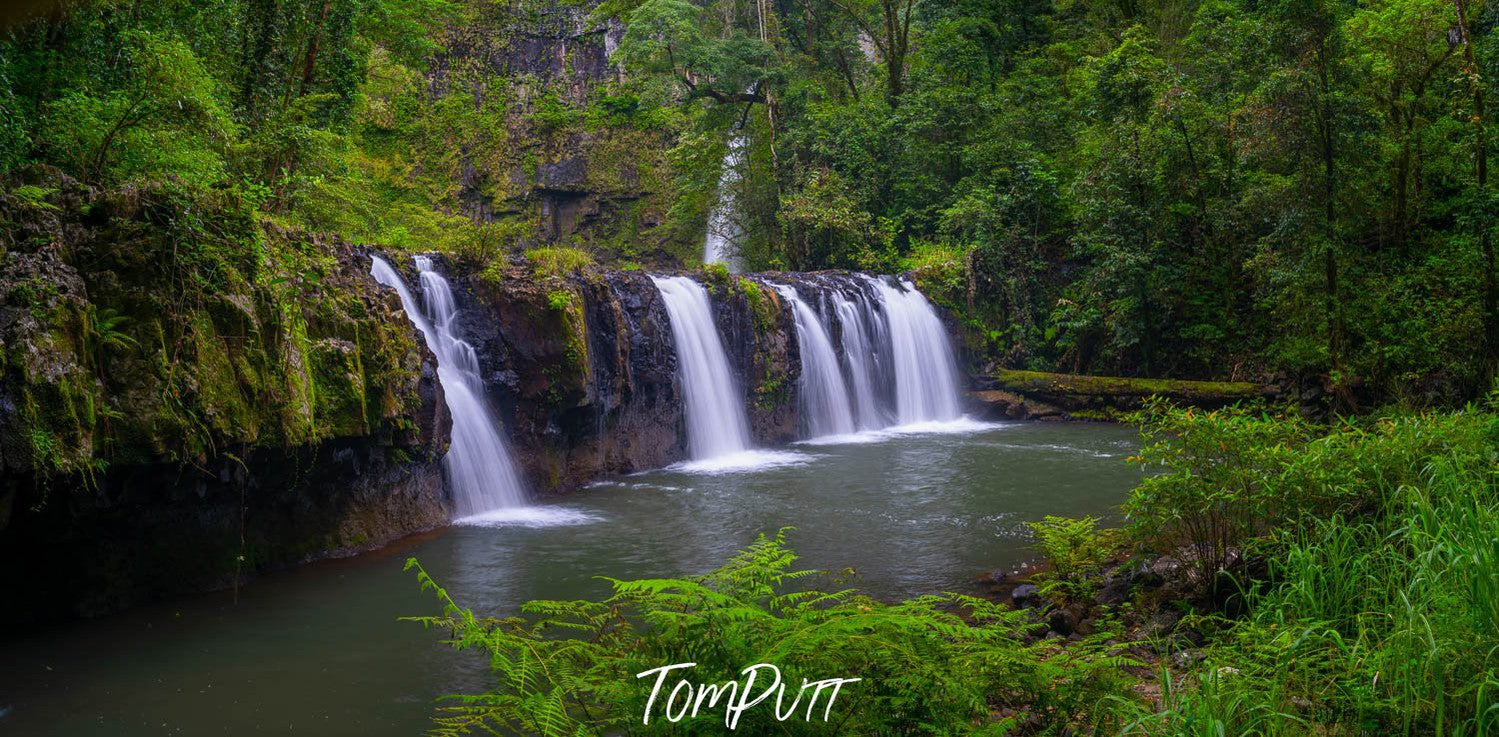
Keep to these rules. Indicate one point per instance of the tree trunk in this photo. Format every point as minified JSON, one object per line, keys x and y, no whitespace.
{"x":312,"y":50}
{"x":1333,"y":305}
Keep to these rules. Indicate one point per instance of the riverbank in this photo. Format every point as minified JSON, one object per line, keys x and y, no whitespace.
{"x":1281,"y":577}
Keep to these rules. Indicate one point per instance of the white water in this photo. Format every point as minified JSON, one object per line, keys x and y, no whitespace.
{"x":480,"y":473}
{"x":721,"y":245}
{"x":825,"y":397}
{"x":926,"y":387}
{"x":896,"y":374}
{"x":716,"y":424}
{"x":859,"y":358}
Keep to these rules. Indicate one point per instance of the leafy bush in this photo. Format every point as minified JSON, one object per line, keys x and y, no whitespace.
{"x":935,"y":665}
{"x":1381,"y":611}
{"x":560,"y":299}
{"x":1234,"y":474}
{"x":716,"y":273}
{"x":1220,"y":486}
{"x":549,"y":113}
{"x":1077,"y":551}
{"x":165,"y":117}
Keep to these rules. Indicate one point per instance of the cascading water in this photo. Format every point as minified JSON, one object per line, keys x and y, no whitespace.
{"x":478,"y":465}
{"x":859,"y":360}
{"x":893,"y":364}
{"x":716,"y":424}
{"x":721,"y":243}
{"x":825,"y":397}
{"x":926,"y":387}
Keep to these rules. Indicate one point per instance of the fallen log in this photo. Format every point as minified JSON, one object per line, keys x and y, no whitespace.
{"x":1039,"y":395}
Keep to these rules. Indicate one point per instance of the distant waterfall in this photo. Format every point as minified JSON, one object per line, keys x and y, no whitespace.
{"x":825,"y":397}
{"x":721,"y":245}
{"x":716,"y":424}
{"x":479,"y":467}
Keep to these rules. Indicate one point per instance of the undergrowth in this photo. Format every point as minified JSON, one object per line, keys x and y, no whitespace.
{"x":941,"y":664}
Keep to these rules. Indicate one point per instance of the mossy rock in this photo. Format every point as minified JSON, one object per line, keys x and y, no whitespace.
{"x":172,"y":327}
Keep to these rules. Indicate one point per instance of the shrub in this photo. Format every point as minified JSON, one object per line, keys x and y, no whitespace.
{"x":1077,"y":551}
{"x":716,"y":274}
{"x":1220,"y":484}
{"x":560,"y":299}
{"x":1381,"y":611}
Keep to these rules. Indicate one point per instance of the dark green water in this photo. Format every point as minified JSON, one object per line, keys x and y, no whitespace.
{"x":319,"y":650}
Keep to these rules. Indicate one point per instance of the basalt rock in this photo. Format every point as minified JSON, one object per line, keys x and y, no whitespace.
{"x":142,"y":533}
{"x":582,"y":370}
{"x":759,"y":335}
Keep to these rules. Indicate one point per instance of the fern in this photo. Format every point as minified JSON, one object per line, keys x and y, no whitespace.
{"x":940,"y":664}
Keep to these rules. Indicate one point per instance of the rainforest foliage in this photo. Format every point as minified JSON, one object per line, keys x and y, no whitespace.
{"x":1336,"y":579}
{"x":1201,"y":188}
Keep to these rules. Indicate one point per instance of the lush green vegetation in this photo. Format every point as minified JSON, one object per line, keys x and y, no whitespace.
{"x":1345,"y":579}
{"x":1225,"y":188}
{"x":1375,"y":612}
{"x":932,"y":665}
{"x":1292,"y":191}
{"x":1198,"y":188}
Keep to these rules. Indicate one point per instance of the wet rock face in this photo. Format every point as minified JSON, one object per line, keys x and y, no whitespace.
{"x":150,"y":532}
{"x":551,"y":43}
{"x":173,"y":421}
{"x":583,"y":370}
{"x":539,"y":68}
{"x":759,"y":334}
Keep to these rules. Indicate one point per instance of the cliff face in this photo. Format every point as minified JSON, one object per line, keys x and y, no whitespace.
{"x":551,"y":154}
{"x":583,"y":370}
{"x":759,"y":334}
{"x":187,"y":396}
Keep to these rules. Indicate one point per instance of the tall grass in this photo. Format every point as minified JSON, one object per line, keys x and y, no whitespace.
{"x":1382,"y":618}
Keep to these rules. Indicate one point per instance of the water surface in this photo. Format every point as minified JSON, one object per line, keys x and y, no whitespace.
{"x":319,"y":650}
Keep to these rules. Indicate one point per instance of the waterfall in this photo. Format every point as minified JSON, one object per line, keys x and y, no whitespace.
{"x":859,"y":360}
{"x":926,"y":386}
{"x":825,"y":399}
{"x":722,"y":241}
{"x":716,"y":424}
{"x":479,"y":468}
{"x":876,"y":355}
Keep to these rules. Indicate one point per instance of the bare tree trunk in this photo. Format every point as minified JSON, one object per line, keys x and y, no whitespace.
{"x":1334,"y":304}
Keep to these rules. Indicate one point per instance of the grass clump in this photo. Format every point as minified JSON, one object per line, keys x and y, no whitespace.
{"x":557,"y":261}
